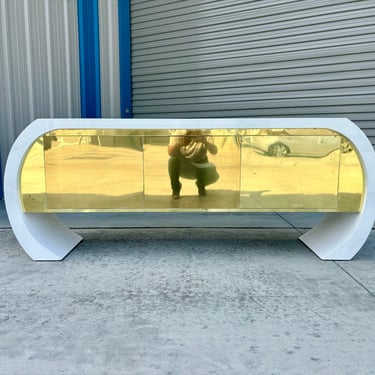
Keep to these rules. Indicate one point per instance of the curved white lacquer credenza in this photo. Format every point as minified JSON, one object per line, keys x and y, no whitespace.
{"x":91,"y":165}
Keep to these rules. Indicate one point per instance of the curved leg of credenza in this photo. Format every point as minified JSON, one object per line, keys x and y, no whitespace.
{"x":339,"y":236}
{"x":43,"y":236}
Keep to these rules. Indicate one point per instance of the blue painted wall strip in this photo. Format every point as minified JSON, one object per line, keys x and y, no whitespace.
{"x":1,"y":183}
{"x":125,"y":58}
{"x":89,"y":57}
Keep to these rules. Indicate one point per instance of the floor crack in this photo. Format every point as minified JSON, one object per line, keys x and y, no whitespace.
{"x":354,"y":279}
{"x":290,"y":223}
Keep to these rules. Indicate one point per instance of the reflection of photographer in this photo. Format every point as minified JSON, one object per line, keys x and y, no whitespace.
{"x":188,"y":158}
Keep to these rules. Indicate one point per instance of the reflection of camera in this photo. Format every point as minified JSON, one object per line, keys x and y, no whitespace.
{"x":195,"y":136}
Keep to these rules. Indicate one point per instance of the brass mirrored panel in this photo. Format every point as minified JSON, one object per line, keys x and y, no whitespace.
{"x":93,"y":170}
{"x":32,"y":179}
{"x":192,"y":169}
{"x":206,"y":160}
{"x":351,"y":180}
{"x":284,"y":171}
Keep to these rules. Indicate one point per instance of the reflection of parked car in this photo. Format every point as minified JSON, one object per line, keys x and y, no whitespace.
{"x":280,"y":143}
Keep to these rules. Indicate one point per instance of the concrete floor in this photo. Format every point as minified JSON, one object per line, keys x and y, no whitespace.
{"x":234,"y":295}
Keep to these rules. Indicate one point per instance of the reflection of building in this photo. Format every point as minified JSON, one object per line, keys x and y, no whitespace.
{"x":71,"y":58}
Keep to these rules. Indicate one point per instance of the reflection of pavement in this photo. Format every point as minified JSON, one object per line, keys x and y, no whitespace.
{"x":330,"y":182}
{"x":215,"y":199}
{"x":91,"y":169}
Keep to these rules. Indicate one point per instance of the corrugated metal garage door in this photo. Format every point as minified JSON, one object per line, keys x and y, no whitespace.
{"x":39,"y":67}
{"x":203,"y":58}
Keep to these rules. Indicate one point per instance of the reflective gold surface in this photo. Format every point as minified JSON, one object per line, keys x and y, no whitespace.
{"x":33,"y":183}
{"x":127,"y":169}
{"x":94,"y":172}
{"x":351,"y":180}
{"x":291,"y":182}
